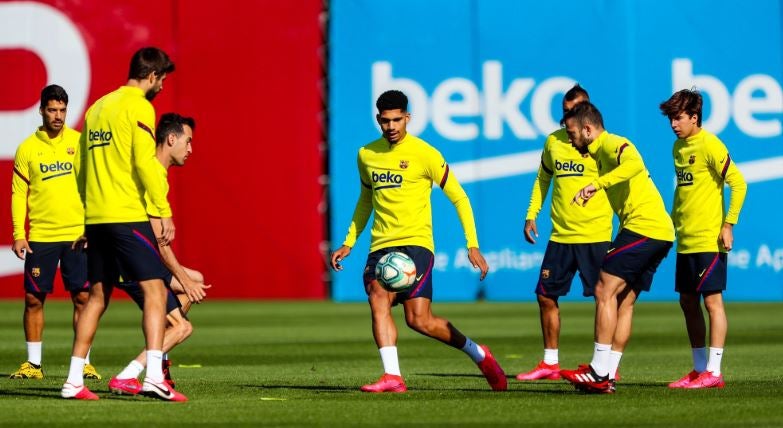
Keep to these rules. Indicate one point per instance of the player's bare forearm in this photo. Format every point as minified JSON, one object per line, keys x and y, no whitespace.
{"x":167,"y":231}
{"x":196,"y":291}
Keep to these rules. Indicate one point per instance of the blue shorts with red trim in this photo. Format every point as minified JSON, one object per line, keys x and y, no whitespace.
{"x":700,"y":273}
{"x":561,"y":261}
{"x":41,"y":264}
{"x":130,"y":249}
{"x":422,"y":258}
{"x":635,"y":258}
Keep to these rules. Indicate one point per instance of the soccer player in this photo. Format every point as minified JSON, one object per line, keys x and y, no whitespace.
{"x":174,"y":135}
{"x":116,"y":167}
{"x":397,"y":172}
{"x":704,"y":232}
{"x":580,"y":237}
{"x":43,"y":188}
{"x":645,"y":237}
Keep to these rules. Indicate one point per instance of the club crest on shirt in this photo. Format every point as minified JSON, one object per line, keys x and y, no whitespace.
{"x":692,"y":159}
{"x":70,"y":150}
{"x":35,"y":272}
{"x":403,"y":164}
{"x":545,"y":273}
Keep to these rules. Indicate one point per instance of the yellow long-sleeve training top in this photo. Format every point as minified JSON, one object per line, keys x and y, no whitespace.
{"x":569,"y":171}
{"x":117,"y":163}
{"x":396,"y":184}
{"x":631,"y":191}
{"x":43,"y":188}
{"x":703,"y":164}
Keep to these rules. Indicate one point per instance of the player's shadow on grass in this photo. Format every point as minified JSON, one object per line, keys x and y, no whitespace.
{"x":40,"y":391}
{"x":555,"y":386}
{"x":316,"y":388}
{"x":29,"y":392}
{"x":54,"y":393}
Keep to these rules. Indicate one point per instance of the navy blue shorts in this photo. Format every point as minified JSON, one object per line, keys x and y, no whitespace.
{"x":634,"y":258}
{"x":41,"y":265}
{"x":135,"y":292}
{"x":700,"y":273}
{"x":422,"y":258}
{"x":130,"y":249}
{"x":561,"y":261}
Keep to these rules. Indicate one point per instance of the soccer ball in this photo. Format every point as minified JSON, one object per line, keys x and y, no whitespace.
{"x":395,"y":272}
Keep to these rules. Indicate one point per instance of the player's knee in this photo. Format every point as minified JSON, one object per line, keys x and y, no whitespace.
{"x":377,"y":298}
{"x":714,"y":307}
{"x":419,"y":323}
{"x":186,"y":329}
{"x":547,"y":303}
{"x":80,"y":299}
{"x":689,"y":302}
{"x":33,"y":303}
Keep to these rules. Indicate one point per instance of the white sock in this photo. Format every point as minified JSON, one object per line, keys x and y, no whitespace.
{"x":474,"y":351}
{"x":600,"y":361}
{"x":699,"y":359}
{"x":391,"y":364}
{"x":713,"y":364}
{"x":133,"y":371}
{"x":154,"y":366}
{"x":614,"y":363}
{"x":76,"y":372}
{"x":551,"y":356}
{"x":87,"y":358}
{"x":34,"y":352}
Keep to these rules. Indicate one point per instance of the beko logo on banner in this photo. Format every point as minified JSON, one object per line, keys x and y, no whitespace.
{"x":460,"y":98}
{"x":756,"y":94}
{"x":62,"y":51}
{"x":456,"y":103}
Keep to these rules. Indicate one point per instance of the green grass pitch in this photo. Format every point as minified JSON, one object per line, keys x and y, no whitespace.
{"x":301,"y":364}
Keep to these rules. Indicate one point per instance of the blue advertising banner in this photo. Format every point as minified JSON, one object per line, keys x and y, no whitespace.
{"x":485,"y":80}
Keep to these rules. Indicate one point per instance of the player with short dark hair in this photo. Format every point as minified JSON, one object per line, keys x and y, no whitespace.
{"x":150,"y":61}
{"x":174,"y":135}
{"x":43,"y":189}
{"x":579,"y":239}
{"x":117,"y":167}
{"x":705,"y":235}
{"x":397,"y":172}
{"x":645,"y":237}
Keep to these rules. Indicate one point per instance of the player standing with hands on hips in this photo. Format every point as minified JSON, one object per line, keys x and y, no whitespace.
{"x":397,"y":172}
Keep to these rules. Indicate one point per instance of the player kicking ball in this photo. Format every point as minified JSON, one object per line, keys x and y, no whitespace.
{"x":397,"y":172}
{"x":704,"y":233}
{"x":645,"y":237}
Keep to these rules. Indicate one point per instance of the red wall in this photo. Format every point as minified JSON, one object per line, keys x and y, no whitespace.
{"x":248,"y":204}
